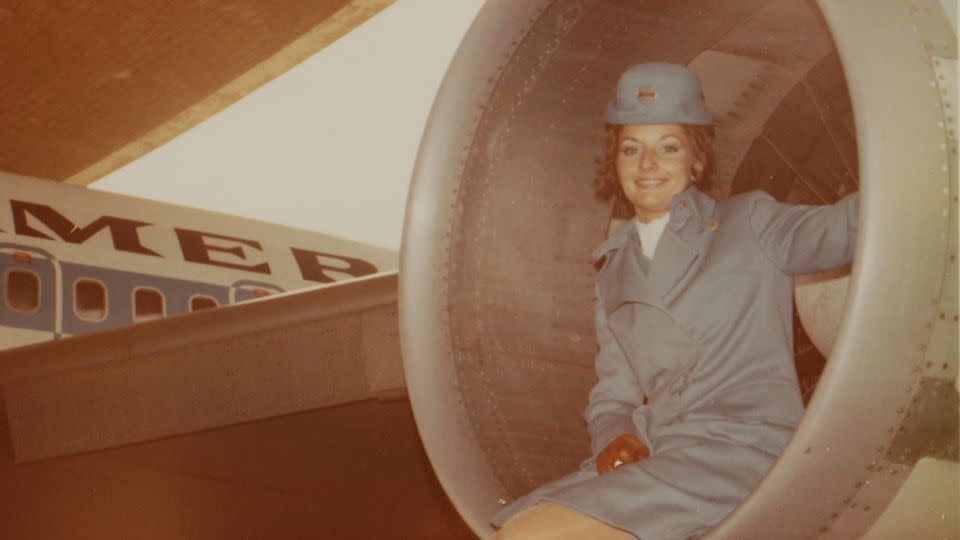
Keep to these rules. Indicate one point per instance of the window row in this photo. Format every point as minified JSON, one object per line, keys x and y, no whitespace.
{"x":90,"y":298}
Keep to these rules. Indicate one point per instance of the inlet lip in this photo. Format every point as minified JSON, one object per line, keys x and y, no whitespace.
{"x":431,"y":379}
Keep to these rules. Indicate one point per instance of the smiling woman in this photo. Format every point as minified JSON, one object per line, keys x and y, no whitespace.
{"x":696,"y":391}
{"x":699,"y":139}
{"x":496,"y":281}
{"x":654,"y":163}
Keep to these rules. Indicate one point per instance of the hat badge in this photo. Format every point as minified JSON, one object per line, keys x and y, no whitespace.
{"x":646,"y":95}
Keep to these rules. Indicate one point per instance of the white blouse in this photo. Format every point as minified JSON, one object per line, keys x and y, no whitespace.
{"x":650,"y":233}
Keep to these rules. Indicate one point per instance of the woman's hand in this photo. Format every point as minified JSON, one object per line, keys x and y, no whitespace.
{"x":626,"y":448}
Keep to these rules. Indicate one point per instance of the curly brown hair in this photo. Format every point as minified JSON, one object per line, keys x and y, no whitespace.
{"x":606,"y":183}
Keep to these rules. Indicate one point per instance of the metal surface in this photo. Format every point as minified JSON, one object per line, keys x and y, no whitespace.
{"x":263,"y":358}
{"x":496,"y":285}
{"x":931,"y":426}
{"x":289,"y":478}
{"x":89,"y":86}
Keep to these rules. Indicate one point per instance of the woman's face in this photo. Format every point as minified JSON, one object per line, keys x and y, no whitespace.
{"x":654,"y":163}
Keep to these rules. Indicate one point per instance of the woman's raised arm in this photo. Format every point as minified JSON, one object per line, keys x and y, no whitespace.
{"x":799,"y":238}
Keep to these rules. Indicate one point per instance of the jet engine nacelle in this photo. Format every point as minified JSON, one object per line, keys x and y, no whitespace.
{"x":812,"y":101}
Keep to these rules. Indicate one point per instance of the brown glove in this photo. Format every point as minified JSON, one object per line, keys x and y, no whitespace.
{"x":626,"y":448}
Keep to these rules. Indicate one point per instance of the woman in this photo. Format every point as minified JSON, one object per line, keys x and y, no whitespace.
{"x":697,"y":393}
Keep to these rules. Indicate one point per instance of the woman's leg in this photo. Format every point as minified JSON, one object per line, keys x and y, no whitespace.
{"x":546,"y":521}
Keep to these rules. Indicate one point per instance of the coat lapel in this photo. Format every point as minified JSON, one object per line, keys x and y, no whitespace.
{"x":625,"y":277}
{"x":678,"y":256}
{"x":629,"y":277}
{"x":684,"y":243}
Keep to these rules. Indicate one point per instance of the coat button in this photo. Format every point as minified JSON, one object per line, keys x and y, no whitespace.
{"x":714,"y":225}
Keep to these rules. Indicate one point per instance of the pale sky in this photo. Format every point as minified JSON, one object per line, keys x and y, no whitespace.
{"x":328,"y":146}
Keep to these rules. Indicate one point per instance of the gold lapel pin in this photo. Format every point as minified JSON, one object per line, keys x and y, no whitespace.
{"x":714,"y":225}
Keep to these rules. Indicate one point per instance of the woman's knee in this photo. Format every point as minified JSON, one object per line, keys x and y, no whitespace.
{"x":547,"y":521}
{"x":514,"y":527}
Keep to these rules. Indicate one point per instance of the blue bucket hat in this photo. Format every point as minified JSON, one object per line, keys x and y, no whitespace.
{"x":658,"y":93}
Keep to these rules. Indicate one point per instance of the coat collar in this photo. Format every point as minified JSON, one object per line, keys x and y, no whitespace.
{"x":690,"y":204}
{"x":629,"y":277}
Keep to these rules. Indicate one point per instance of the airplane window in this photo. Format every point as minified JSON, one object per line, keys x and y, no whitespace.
{"x":198,"y":303}
{"x":23,"y":290}
{"x":89,"y":300}
{"x":147,"y":304}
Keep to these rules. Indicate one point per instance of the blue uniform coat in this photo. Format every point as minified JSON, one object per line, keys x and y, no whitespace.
{"x":704,"y":332}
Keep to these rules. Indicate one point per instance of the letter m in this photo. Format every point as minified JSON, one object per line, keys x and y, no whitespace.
{"x":123,"y":231}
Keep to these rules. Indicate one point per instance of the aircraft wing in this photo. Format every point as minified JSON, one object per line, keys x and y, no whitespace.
{"x":284,"y":354}
{"x":322,"y":353}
